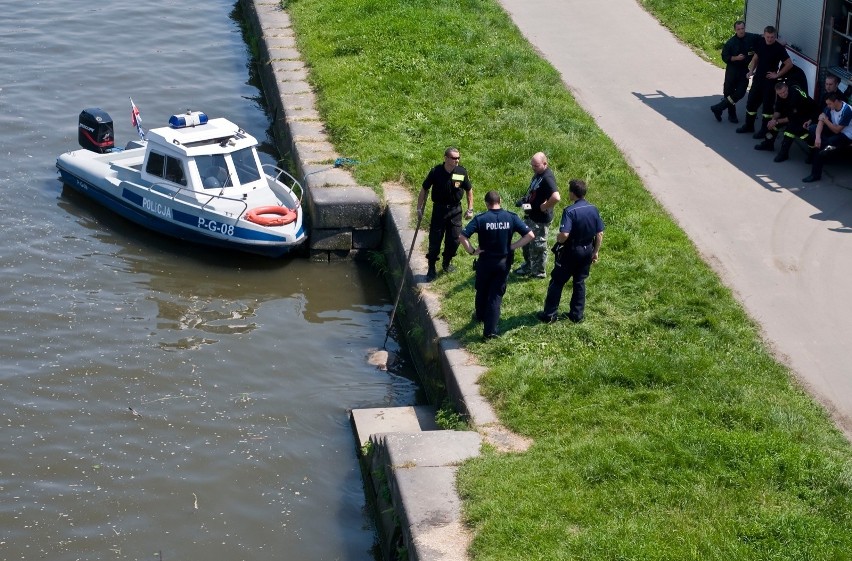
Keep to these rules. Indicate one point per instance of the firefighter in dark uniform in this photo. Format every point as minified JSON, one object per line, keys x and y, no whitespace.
{"x":495,"y":254}
{"x":448,"y":181}
{"x":577,"y":246}
{"x":737,"y":54}
{"x":765,"y":71}
{"x":793,"y":108}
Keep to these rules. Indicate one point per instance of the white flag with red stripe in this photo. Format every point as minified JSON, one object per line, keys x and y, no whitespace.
{"x":136,"y":119}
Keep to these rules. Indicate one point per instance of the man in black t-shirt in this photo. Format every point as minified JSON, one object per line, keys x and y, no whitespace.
{"x":736,"y":53}
{"x":764,"y":69}
{"x":542,"y":195}
{"x":449,"y":182}
{"x":495,"y":229}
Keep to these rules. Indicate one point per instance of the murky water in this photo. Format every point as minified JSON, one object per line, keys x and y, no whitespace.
{"x":159,"y":401}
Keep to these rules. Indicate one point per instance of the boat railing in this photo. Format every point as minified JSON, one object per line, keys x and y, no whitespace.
{"x":173,"y":191}
{"x":277,"y":174}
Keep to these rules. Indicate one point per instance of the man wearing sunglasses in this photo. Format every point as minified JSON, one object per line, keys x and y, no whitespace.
{"x":449,"y":182}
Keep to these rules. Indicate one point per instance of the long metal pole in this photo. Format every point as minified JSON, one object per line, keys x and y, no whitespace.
{"x":402,"y":280}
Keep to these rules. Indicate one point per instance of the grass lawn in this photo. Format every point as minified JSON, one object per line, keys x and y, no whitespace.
{"x":663,"y":428}
{"x":704,"y":25}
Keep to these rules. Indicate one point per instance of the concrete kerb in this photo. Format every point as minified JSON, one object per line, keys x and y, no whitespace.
{"x":345,"y":218}
{"x":421,"y":471}
{"x":418,"y":469}
{"x":461,"y":371}
{"x":345,"y":215}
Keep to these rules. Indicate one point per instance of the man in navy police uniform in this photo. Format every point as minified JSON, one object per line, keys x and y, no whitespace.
{"x":496,"y":252}
{"x":578,"y":243}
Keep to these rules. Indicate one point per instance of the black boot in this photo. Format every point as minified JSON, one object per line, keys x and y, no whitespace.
{"x":784,"y":152}
{"x":732,"y":113}
{"x":768,"y":145}
{"x":761,"y":133}
{"x":749,"y":123}
{"x":431,"y":274}
{"x":447,"y":266}
{"x":718,"y":108}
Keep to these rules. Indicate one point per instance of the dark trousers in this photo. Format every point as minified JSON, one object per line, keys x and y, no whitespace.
{"x":446,"y":226}
{"x":574,"y":263}
{"x":735,"y":86}
{"x":492,"y":274}
{"x":761,"y":94}
{"x":794,"y":130}
{"x":821,"y":157}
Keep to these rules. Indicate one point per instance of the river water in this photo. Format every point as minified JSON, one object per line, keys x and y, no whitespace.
{"x":159,"y":401}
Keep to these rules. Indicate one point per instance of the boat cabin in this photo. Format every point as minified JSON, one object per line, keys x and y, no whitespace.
{"x":818,"y":35}
{"x":209,"y":155}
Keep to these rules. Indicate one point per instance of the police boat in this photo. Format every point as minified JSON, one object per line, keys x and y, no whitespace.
{"x":198,"y":180}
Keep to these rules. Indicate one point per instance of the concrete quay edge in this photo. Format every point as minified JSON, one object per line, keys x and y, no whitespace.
{"x":459,"y":369}
{"x":417,"y":471}
{"x":336,"y":204}
{"x":418,"y":464}
{"x":346,"y":221}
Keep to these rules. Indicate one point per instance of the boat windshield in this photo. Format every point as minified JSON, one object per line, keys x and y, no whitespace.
{"x":214,"y":171}
{"x":246,"y":165}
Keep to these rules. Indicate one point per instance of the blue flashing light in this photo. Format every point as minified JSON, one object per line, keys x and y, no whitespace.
{"x":188,"y":119}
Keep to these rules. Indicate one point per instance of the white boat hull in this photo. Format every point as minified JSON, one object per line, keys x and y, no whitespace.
{"x":199,"y":217}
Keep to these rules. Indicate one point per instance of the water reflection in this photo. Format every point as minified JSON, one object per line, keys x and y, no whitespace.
{"x":158,"y":396}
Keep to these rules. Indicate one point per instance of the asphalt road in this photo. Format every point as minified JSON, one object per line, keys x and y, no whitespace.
{"x":784,"y":247}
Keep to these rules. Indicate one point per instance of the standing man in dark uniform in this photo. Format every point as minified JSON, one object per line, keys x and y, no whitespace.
{"x":764,"y":70}
{"x":538,"y":203}
{"x":495,"y":228}
{"x":448,"y":182}
{"x":578,"y":243}
{"x":793,"y":108}
{"x":736,"y":54}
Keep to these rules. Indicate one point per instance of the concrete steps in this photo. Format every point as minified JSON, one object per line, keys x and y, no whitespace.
{"x":410,"y":469}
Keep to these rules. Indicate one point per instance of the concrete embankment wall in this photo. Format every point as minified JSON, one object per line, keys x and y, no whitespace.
{"x":345,"y":219}
{"x":409,"y":465}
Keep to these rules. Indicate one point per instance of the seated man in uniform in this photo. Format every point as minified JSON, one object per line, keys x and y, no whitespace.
{"x":793,"y":108}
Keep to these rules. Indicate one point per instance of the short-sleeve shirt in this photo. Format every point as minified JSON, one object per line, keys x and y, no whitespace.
{"x":769,"y":57}
{"x":582,"y":222}
{"x":495,"y":229}
{"x":542,"y":186}
{"x":842,"y":118}
{"x":448,"y":187}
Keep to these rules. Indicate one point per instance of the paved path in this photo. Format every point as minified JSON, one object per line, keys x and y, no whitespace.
{"x":784,"y":248}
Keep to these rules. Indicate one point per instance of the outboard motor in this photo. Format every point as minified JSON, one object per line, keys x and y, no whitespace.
{"x":95,"y":130}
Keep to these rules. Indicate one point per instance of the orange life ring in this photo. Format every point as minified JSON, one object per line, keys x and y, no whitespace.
{"x":282,"y":215}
